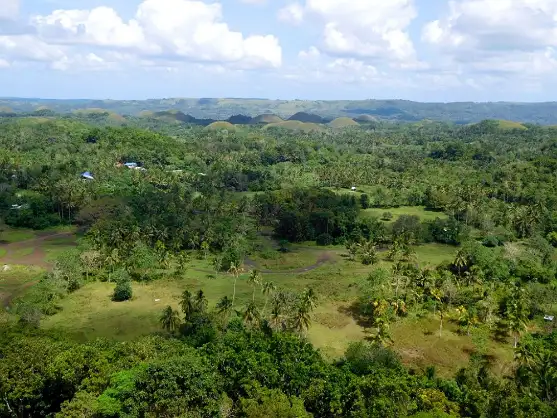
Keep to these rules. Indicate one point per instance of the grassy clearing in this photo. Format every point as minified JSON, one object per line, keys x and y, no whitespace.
{"x":333,"y":330}
{"x":89,"y":313}
{"x":10,"y":236}
{"x":435,"y":254}
{"x":23,"y":252}
{"x":418,"y":211}
{"x":276,"y":261}
{"x":14,"y":281}
{"x":419,"y":344}
{"x":2,"y":252}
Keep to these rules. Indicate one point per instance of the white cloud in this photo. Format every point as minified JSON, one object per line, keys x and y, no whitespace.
{"x":375,"y":30}
{"x":4,"y":63}
{"x":100,"y":26}
{"x":311,"y":53}
{"x":170,"y":30}
{"x":29,"y":48}
{"x":293,"y":13}
{"x":9,"y":9}
{"x":498,"y":36}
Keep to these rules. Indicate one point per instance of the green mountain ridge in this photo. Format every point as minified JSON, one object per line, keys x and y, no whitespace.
{"x":221,"y":109}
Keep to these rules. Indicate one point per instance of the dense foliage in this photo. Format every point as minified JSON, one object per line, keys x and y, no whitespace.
{"x":211,"y":194}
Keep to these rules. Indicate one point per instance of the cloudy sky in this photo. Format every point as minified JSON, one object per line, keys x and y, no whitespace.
{"x":427,"y":50}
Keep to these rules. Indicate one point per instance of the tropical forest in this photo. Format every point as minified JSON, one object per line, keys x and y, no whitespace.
{"x":159,"y":265}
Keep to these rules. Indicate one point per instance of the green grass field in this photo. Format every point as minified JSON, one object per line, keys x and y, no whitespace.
{"x":90,"y":313}
{"x":418,"y":211}
{"x":14,"y":282}
{"x":23,"y":252}
{"x":16,"y":235}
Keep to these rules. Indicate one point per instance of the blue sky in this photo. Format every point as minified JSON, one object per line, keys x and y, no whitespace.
{"x":426,"y":50}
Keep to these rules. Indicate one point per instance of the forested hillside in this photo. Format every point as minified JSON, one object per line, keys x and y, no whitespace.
{"x":220,"y":109}
{"x":158,"y":268}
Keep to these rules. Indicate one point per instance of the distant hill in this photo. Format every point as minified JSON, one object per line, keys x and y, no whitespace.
{"x":365,"y":119}
{"x":295,"y":125}
{"x":221,"y":125}
{"x":341,"y":123}
{"x":92,"y":113}
{"x":174,"y":115}
{"x":306,"y":117}
{"x":363,"y":111}
{"x":509,"y":124}
{"x":266,"y":118}
{"x":240,"y":119}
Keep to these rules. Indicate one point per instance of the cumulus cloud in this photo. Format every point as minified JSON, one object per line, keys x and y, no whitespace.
{"x":373,"y":30}
{"x":9,"y":9}
{"x":293,"y":13}
{"x":499,"y":36}
{"x":179,"y":30}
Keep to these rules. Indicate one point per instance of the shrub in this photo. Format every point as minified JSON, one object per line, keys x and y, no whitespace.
{"x":387,"y":216}
{"x":364,"y":201}
{"x":122,"y":291}
{"x":324,"y":239}
{"x":552,"y":238}
{"x":491,"y":241}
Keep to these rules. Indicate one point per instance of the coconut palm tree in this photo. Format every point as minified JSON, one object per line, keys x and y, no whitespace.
{"x":200,"y":302}
{"x":369,"y":253}
{"x":441,"y":307}
{"x":309,"y":299}
{"x":467,"y":318}
{"x":254,"y":280}
{"x":235,"y":270}
{"x":170,"y":320}
{"x":400,"y":280}
{"x":187,"y":303}
{"x":461,"y":260}
{"x":251,"y":315}
{"x":268,"y":289}
{"x":302,"y":319}
{"x":383,"y":335}
{"x":224,"y":307}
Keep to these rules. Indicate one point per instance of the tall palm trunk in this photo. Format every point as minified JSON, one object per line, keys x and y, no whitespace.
{"x":234,"y":292}
{"x":265,"y":305}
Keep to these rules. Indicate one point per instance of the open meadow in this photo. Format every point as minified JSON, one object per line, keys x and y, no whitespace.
{"x":89,"y":313}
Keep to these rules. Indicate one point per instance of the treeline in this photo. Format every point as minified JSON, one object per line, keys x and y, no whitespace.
{"x":252,"y":373}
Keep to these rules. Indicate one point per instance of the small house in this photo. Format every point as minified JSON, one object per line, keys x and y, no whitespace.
{"x":87,"y":175}
{"x":549,"y":318}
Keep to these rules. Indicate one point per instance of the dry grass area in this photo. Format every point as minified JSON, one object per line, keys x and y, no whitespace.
{"x":420,"y":345}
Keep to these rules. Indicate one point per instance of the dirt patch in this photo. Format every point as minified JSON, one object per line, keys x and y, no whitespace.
{"x":410,"y":354}
{"x":332,"y":320}
{"x":38,"y":256}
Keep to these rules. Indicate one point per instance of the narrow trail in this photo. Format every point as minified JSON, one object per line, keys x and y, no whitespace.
{"x":37,"y":257}
{"x":7,"y":298}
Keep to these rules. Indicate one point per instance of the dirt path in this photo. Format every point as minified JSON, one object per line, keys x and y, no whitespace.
{"x":6,"y":298}
{"x":37,"y":257}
